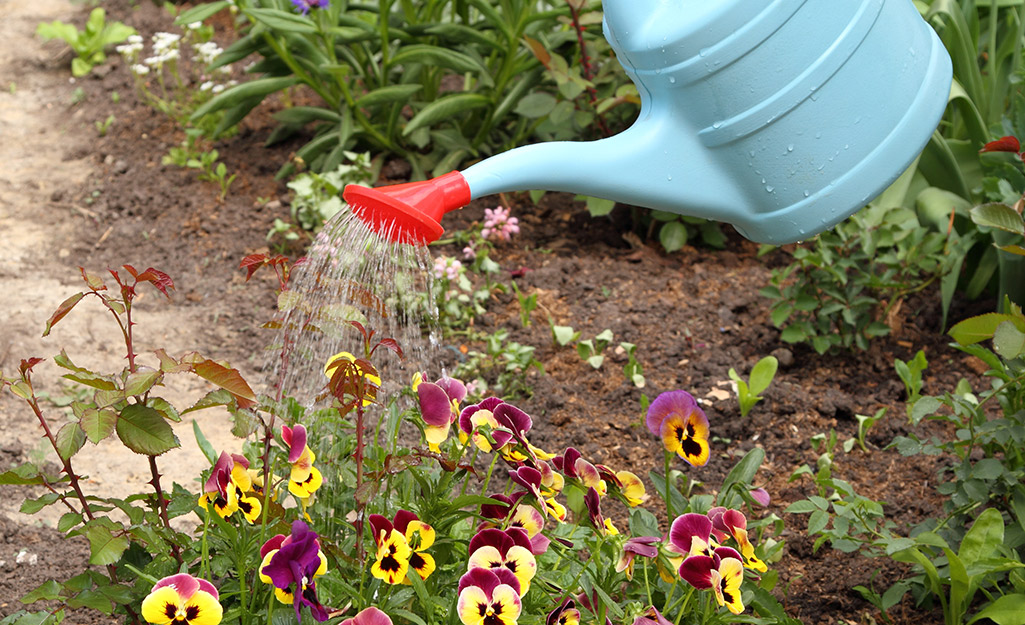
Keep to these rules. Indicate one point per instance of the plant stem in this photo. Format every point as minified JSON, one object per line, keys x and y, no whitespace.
{"x":162,"y":506}
{"x":668,"y":499}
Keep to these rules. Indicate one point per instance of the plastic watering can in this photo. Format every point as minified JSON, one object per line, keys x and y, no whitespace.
{"x":781,"y":117}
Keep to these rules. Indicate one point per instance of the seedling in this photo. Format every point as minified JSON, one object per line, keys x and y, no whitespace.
{"x":591,"y":350}
{"x":88,"y":44}
{"x":632,"y":369}
{"x":749,"y":393}
{"x":911,"y":374}
{"x":865,"y":424}
{"x":528,"y":303}
{"x":103,"y":126}
{"x":564,"y":335}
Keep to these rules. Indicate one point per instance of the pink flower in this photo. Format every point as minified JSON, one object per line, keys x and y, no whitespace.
{"x":447,"y":268}
{"x":499,"y":224}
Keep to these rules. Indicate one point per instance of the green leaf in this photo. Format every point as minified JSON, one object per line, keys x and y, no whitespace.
{"x":32,"y":506}
{"x":299,"y":115}
{"x":47,"y":591}
{"x":762,"y":374}
{"x":801,"y":507}
{"x":673,"y":236}
{"x":983,"y":539}
{"x":535,"y":105}
{"x":228,"y":379}
{"x":204,"y":444}
{"x":70,"y":439}
{"x":62,"y":311}
{"x":254,"y":89}
{"x":998,"y":216}
{"x":201,"y":12}
{"x":980,"y":328}
{"x":219,"y":397}
{"x":68,"y":521}
{"x":143,"y":430}
{"x":82,"y":375}
{"x":104,"y":547}
{"x":817,"y":521}
{"x":91,"y":599}
{"x":741,"y":474}
{"x":599,"y":206}
{"x":1006,"y":610}
{"x":564,"y":334}
{"x":21,"y":475}
{"x":1008,"y":341}
{"x":141,"y":381}
{"x":282,"y":21}
{"x":388,"y":94}
{"x":98,"y":424}
{"x":165,"y":408}
{"x":444,"y":108}
{"x":435,"y":56}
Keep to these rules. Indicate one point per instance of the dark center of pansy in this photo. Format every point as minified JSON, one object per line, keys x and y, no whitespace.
{"x":511,"y":565}
{"x":690,"y":447}
{"x":416,"y":561}
{"x":191,"y":612}
{"x":170,"y":610}
{"x":390,"y":564}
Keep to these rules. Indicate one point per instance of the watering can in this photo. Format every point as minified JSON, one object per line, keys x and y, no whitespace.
{"x":781,"y":117}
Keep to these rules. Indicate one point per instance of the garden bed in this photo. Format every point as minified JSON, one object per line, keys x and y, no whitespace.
{"x":693,"y":315}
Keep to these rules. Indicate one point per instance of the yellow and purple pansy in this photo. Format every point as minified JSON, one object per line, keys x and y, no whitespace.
{"x":230,"y":488}
{"x":182,"y":600}
{"x":291,"y":563}
{"x":651,"y":616}
{"x":691,"y":535}
{"x":439,"y":407}
{"x":592,"y":501}
{"x":566,"y":614}
{"x":734,"y":523}
{"x":489,"y":597}
{"x":722,"y":571}
{"x":509,"y":549}
{"x":394,"y":559}
{"x":675,"y":417}
{"x":573,"y":466}
{"x":304,"y":479}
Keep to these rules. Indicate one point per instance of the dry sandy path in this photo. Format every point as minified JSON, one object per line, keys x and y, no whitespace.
{"x":38,"y":269}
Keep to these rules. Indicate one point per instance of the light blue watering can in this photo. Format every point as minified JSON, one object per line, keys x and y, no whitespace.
{"x":781,"y":117}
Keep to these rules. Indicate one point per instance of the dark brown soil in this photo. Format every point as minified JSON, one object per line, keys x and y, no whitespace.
{"x":693,"y":314}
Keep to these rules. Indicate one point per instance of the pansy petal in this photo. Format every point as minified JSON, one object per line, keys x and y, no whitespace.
{"x":483,"y":578}
{"x":513,"y":418}
{"x":685,"y":437}
{"x":183,"y":583}
{"x":698,"y":571}
{"x":522,"y":563}
{"x":435,"y":405}
{"x":497,"y":510}
{"x":490,"y":537}
{"x":161,"y":605}
{"x":250,"y":508}
{"x":207,"y":587}
{"x":203,"y":609}
{"x":473,"y":605}
{"x":505,"y":601}
{"x":486,"y":557}
{"x":423,"y":532}
{"x":527,"y":518}
{"x":731,"y":572}
{"x":686,"y":528}
{"x":455,"y":389}
{"x":266,"y":560}
{"x":297,"y":444}
{"x":422,"y":563}
{"x":380,"y":526}
{"x":631,"y":487}
{"x":272,"y":545}
{"x":371,"y":616}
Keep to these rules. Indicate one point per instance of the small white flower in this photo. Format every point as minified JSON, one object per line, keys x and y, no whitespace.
{"x":135,"y":40}
{"x":194,"y":25}
{"x":139,"y":69}
{"x":217,"y":89}
{"x":206,"y":86}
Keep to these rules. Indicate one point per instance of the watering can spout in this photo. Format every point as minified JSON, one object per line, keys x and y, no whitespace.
{"x":781,"y":117}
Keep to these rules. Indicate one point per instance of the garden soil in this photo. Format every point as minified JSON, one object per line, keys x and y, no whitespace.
{"x":72,"y":197}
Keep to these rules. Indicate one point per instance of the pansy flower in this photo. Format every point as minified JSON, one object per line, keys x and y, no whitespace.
{"x":477,"y":416}
{"x":182,"y":600}
{"x":643,"y":546}
{"x":489,"y":597}
{"x":304,"y":6}
{"x":291,"y":563}
{"x":509,"y":549}
{"x":683,"y":427}
{"x":631,"y":488}
{"x":722,"y":571}
{"x":734,"y":523}
{"x":304,"y":478}
{"x":439,"y":407}
{"x":418,"y":537}
{"x":566,"y":614}
{"x":368,"y":616}
{"x":230,"y":487}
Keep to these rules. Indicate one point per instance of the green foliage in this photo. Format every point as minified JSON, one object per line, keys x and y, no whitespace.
{"x":436,"y":83}
{"x":590,"y":350}
{"x":316,"y":198}
{"x":749,"y":392}
{"x":504,"y":367}
{"x":89,"y":44}
{"x":839,"y":291}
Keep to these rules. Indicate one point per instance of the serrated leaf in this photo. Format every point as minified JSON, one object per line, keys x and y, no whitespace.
{"x":218,"y":397}
{"x":91,"y":599}
{"x":32,"y":506}
{"x":143,"y":430}
{"x":141,"y":381}
{"x":62,"y":311}
{"x":21,"y":475}
{"x":165,"y":408}
{"x":68,"y":521}
{"x":47,"y":591}
{"x":70,"y":439}
{"x":228,"y":379}
{"x":104,"y":547}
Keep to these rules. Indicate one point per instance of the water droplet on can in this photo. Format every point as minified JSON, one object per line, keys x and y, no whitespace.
{"x":790,"y":148}
{"x":769,"y":188}
{"x":672,"y":79}
{"x":669,"y":177}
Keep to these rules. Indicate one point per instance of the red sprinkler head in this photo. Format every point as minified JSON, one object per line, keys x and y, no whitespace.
{"x":409,"y":213}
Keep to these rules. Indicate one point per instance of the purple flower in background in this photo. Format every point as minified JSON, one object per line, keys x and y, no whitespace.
{"x":304,"y":6}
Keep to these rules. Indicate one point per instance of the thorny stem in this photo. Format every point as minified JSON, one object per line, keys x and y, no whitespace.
{"x":75,"y":485}
{"x":360,"y":505}
{"x":162,"y":505}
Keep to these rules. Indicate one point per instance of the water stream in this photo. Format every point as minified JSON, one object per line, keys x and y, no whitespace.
{"x":352,"y":273}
